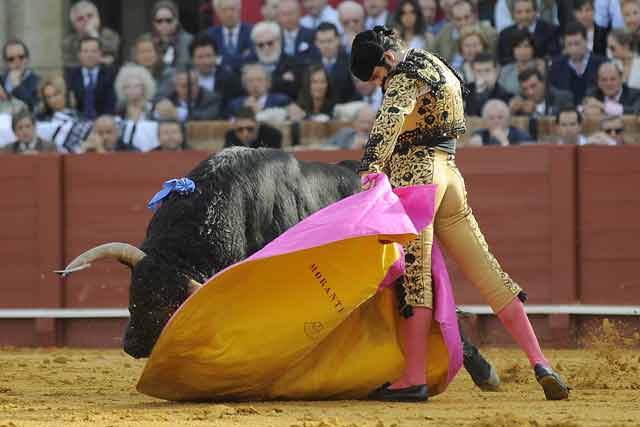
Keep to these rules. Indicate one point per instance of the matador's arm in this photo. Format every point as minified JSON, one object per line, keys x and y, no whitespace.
{"x":399,"y":101}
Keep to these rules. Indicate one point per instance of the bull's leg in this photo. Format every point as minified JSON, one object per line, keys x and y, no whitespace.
{"x":482,"y":372}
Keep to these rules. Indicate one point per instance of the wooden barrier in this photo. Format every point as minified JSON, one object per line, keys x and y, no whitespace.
{"x":533,"y":204}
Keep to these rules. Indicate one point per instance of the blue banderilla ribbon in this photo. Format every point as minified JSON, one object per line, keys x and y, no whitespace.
{"x":182,"y":186}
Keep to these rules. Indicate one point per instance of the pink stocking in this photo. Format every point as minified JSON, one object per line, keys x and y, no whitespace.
{"x":515,"y":320}
{"x":415,"y":331}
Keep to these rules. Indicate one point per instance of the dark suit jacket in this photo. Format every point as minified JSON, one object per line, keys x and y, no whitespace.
{"x":207,"y":106}
{"x":341,"y":82}
{"x":273,"y":100}
{"x":514,"y":134}
{"x":474,"y":102}
{"x":304,"y":42}
{"x":267,"y":137}
{"x":564,"y":77}
{"x":228,"y":85}
{"x":244,"y":45}
{"x":105,"y":94}
{"x":27,"y":90}
{"x":547,"y":41}
{"x":630,"y":98}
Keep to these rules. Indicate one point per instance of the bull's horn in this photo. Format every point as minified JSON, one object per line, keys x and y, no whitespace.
{"x":193,"y":286}
{"x":123,"y":252}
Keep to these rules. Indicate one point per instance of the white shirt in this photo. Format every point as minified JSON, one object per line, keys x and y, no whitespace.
{"x":607,"y":12}
{"x":583,"y":64}
{"x":207,"y":82}
{"x":372,"y":21}
{"x":85,"y":75}
{"x":231,"y":33}
{"x":289,"y":44}
{"x":328,"y":14}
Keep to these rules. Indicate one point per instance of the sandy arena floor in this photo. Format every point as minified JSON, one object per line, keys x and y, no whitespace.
{"x":70,"y":387}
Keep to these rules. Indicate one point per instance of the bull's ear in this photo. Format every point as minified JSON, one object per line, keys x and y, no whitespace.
{"x":193,"y":286}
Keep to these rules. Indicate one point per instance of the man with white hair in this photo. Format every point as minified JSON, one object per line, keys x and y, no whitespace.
{"x":232,"y":37}
{"x":285,"y":71}
{"x":296,"y":39}
{"x":352,"y":19}
{"x":85,"y":19}
{"x":319,"y":11}
{"x":377,"y":14}
{"x":257,"y":84}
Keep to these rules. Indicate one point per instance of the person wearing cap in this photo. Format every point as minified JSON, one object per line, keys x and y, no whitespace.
{"x":413,"y":141}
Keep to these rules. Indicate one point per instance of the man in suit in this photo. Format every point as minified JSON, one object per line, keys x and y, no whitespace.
{"x":285,"y":71}
{"x":92,"y":83}
{"x":485,"y":86}
{"x":232,"y":37}
{"x":214,"y":78}
{"x":546,"y":36}
{"x":611,"y":96}
{"x":576,"y":71}
{"x":297,"y":41}
{"x":257,"y":83}
{"x":463,"y":14}
{"x":352,"y":19}
{"x":335,"y":61}
{"x":377,"y":14}
{"x":319,"y":11}
{"x":191,"y":101}
{"x":247,"y":132}
{"x":19,"y":80}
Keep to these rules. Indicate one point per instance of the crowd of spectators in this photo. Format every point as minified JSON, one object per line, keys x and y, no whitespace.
{"x":534,"y":58}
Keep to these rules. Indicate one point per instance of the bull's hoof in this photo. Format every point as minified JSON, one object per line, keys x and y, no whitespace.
{"x":552,"y":383}
{"x":492,"y":383}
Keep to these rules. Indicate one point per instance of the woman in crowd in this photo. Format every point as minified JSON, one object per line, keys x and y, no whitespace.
{"x":145,"y":53}
{"x":409,"y":22}
{"x":8,"y":103}
{"x":524,"y":54}
{"x":19,"y":79}
{"x":472,"y":42}
{"x":497,"y":117}
{"x":135,"y":89}
{"x":53,"y":92}
{"x":170,"y":39}
{"x":621,"y":52}
{"x":316,"y":100}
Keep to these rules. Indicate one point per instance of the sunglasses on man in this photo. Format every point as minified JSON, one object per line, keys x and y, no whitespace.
{"x":616,"y":131}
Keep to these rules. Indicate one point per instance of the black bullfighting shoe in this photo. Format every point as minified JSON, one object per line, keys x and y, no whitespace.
{"x":416,"y":393}
{"x":552,"y":383}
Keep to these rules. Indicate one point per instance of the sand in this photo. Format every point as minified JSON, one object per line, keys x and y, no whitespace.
{"x":74,"y":387}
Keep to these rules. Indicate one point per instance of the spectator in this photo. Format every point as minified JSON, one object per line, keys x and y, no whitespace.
{"x":91,"y":83}
{"x":576,"y":70}
{"x":357,"y":136}
{"x":433,"y":25}
{"x":462,"y":14}
{"x":486,"y":85}
{"x":135,"y":89}
{"x":538,"y":99}
{"x":625,"y":57}
{"x":606,"y":14}
{"x":19,"y":79}
{"x":499,"y":130}
{"x":257,"y":84}
{"x":9,"y":104}
{"x":285,"y":72}
{"x":296,"y":39}
{"x":631,"y":15}
{"x":545,"y":35}
{"x":53,"y":92}
{"x":27,"y":142}
{"x":524,"y":55}
{"x":211,"y":76}
{"x":247,"y":132}
{"x":583,"y":13}
{"x":232,"y":37}
{"x":319,"y":11}
{"x":105,"y":137}
{"x":352,"y":19}
{"x":471,"y":43}
{"x":335,"y":61}
{"x":145,"y":53}
{"x":610,"y":132}
{"x":171,"y":136}
{"x":190,"y":100}
{"x":316,"y":99}
{"x":409,"y":22}
{"x":447,"y":9}
{"x":611,"y":97}
{"x":171,"y":41}
{"x":269,"y":10}
{"x":368,"y":92}
{"x":504,"y":13}
{"x":85,"y":19}
{"x":377,"y":14}
{"x":569,"y":126}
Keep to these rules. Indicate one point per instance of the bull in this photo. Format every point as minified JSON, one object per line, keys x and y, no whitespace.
{"x":243,"y":199}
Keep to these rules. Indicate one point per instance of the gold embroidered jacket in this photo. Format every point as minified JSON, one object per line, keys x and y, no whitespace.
{"x":423,"y":99}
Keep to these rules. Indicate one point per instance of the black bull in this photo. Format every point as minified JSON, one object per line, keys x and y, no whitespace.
{"x":244,"y":198}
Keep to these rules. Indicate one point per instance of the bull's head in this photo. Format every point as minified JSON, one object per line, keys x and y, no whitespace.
{"x":156,"y":292}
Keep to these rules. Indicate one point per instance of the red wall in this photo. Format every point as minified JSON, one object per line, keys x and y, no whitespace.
{"x":533,"y":203}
